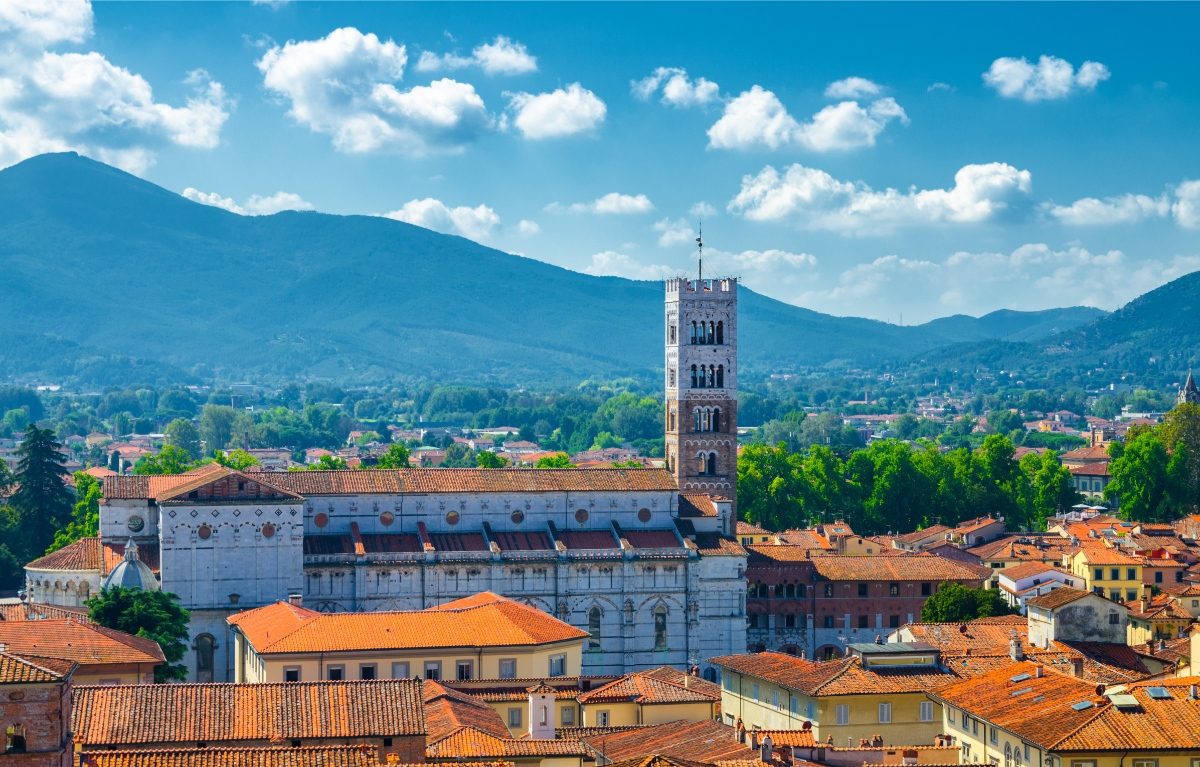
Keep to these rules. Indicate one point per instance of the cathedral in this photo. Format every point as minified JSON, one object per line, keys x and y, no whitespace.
{"x":644,"y":560}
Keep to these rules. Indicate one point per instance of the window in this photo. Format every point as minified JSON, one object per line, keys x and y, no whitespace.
{"x":775,"y":698}
{"x":205,"y":645}
{"x":1130,"y":595}
{"x":893,"y":589}
{"x":1115,"y":572}
{"x":1145,"y":763}
{"x":863,"y":621}
{"x":464,"y":670}
{"x":1099,"y":574}
{"x":755,"y":693}
{"x":1114,"y":595}
{"x":671,"y":333}
{"x":842,"y":713}
{"x":400,"y":670}
{"x":926,"y":711}
{"x":514,"y":717}
{"x":1131,"y":575}
{"x":1158,"y":576}
{"x":926,"y":590}
{"x":671,"y":380}
{"x":885,"y":713}
{"x":594,"y":616}
{"x":568,"y":717}
{"x":291,"y":674}
{"x":660,"y":627}
{"x":720,"y":332}
{"x":828,"y":621}
{"x":828,"y":589}
{"x":558,"y":665}
{"x":601,"y":718}
{"x":862,"y":589}
{"x":995,"y":735}
{"x":433,"y":669}
{"x":508,"y":668}
{"x":894,"y":621}
{"x":368,"y":671}
{"x":1083,"y":763}
{"x":335,"y":673}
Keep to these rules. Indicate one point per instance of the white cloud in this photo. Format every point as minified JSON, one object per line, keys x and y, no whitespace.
{"x":702,"y":210}
{"x":1051,"y":78}
{"x":613,"y":203}
{"x":816,"y":200}
{"x":1186,"y":207}
{"x":940,"y":87}
{"x":1123,"y":209}
{"x":528,"y":228}
{"x":758,"y":260}
{"x":502,"y":56}
{"x":678,"y":90}
{"x":52,"y":101}
{"x":853,"y":88}
{"x":1030,"y":277}
{"x":255,"y":205}
{"x":558,"y":113}
{"x":757,"y":118}
{"x":610,"y":263}
{"x":476,"y":223}
{"x":342,"y":85}
{"x":672,"y":232}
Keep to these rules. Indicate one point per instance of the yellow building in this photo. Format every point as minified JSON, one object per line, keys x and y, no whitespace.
{"x":1159,"y":618}
{"x":1109,"y":573}
{"x":483,"y":636}
{"x":1026,"y":715}
{"x":643,"y":698}
{"x":878,"y":690}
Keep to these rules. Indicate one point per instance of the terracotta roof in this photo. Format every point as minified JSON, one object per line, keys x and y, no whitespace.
{"x":485,"y":620}
{"x":447,"y":710}
{"x":912,"y":567}
{"x":180,"y":713}
{"x":587,"y":539}
{"x":714,"y":545}
{"x":800,"y":738}
{"x":843,"y":676}
{"x":1063,"y":595}
{"x":697,"y":505}
{"x":971,"y":525}
{"x":1163,"y":607}
{"x":83,"y":554}
{"x":500,"y":690}
{"x":1040,"y":548}
{"x":1108,"y":662}
{"x":16,"y":669}
{"x":1026,"y":570}
{"x":651,"y":539}
{"x":778,"y":552}
{"x":657,"y":760}
{"x":114,"y":553}
{"x":1101,"y":555}
{"x":1169,"y":722}
{"x":1097,"y":469}
{"x":396,"y":481}
{"x":1091,"y":453}
{"x":84,"y":642}
{"x":470,"y":743}
{"x":518,"y":541}
{"x":303,"y":756}
{"x":36,"y":611}
{"x":675,"y":676}
{"x":707,"y":741}
{"x":920,"y":535}
{"x":747,"y":528}
{"x":646,"y":689}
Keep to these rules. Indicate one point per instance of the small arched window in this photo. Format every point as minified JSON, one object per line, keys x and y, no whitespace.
{"x":703,"y":467}
{"x":694,"y":377}
{"x":720,"y":332}
{"x":205,"y":645}
{"x":716,"y":419}
{"x":712,"y":464}
{"x":712,"y":376}
{"x":696,"y":419}
{"x":693,"y":332}
{"x":720,"y":376}
{"x":660,"y":627}
{"x":594,"y":616}
{"x":712,"y":332}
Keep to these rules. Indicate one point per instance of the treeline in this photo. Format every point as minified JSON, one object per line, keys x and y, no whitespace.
{"x":1156,"y":471}
{"x":894,"y":486}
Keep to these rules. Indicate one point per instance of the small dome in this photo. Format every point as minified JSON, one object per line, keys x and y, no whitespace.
{"x":132,"y":573}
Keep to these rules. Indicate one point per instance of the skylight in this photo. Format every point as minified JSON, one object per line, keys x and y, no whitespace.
{"x":1021,"y":691}
{"x":1159,"y":693}
{"x":1083,"y":705}
{"x":1019,"y":678}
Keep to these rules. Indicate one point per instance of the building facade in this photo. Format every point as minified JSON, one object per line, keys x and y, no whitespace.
{"x":701,"y":385}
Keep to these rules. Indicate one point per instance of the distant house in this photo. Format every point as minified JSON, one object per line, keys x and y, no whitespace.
{"x":1020,"y":583}
{"x":1073,"y":615}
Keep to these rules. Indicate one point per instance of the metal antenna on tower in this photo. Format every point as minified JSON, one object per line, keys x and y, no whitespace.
{"x":700,"y":247}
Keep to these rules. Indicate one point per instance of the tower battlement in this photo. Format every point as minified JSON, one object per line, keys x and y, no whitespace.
{"x":720,"y":286}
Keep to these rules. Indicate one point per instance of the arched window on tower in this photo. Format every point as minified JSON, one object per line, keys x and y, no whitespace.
{"x":660,"y":627}
{"x":716,"y":419}
{"x":696,"y":419}
{"x":712,"y":464}
{"x":205,"y":645}
{"x":594,"y":616}
{"x":702,"y":466}
{"x":693,"y":331}
{"x":720,"y":376}
{"x":720,"y":332}
{"x":712,"y":332}
{"x":712,"y":376}
{"x":693,"y":376}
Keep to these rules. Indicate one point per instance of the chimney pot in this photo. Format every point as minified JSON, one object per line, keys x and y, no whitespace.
{"x":296,"y":600}
{"x":1037,"y":671}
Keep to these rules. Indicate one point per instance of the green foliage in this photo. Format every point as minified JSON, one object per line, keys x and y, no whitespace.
{"x":183,"y":434}
{"x":1141,"y":479}
{"x":328,"y":463}
{"x":41,"y":505}
{"x":169,"y":460}
{"x":85,"y":515}
{"x":395,"y":457}
{"x":556,"y":461}
{"x":235,"y":459}
{"x":1005,"y":421}
{"x":955,"y":603}
{"x":154,"y":615}
{"x":486,"y":459}
{"x":216,"y":426}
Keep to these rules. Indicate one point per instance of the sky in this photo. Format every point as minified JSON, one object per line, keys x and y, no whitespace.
{"x":894,"y":161}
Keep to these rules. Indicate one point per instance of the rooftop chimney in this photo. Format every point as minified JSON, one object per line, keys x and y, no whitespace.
{"x":1077,"y":666}
{"x":1015,"y":651}
{"x":296,"y":600}
{"x":768,"y":749}
{"x":1194,"y":692}
{"x":1038,"y":671}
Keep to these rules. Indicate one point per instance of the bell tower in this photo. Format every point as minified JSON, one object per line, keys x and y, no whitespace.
{"x":701,"y":384}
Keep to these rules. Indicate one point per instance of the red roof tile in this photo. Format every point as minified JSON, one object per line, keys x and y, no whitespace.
{"x":301,"y":756}
{"x":84,"y":642}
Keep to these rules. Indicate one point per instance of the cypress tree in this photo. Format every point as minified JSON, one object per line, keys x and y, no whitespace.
{"x":43,"y":499}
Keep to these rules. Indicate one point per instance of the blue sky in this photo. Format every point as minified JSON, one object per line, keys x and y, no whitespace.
{"x":884,"y":160}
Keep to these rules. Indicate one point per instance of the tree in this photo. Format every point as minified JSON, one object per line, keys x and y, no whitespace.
{"x":43,"y":500}
{"x":486,"y":459}
{"x":1051,"y":489}
{"x":235,"y":459}
{"x":169,"y":460}
{"x":954,"y":603}
{"x":328,"y":463}
{"x":85,"y":515}
{"x":216,"y":426}
{"x":154,"y":615}
{"x":184,"y":435}
{"x":1005,"y":421}
{"x":555,"y":461}
{"x":395,"y":457}
{"x":770,"y":485}
{"x":1180,"y":433}
{"x":1140,"y":480}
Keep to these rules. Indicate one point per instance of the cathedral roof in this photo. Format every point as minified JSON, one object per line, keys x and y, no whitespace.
{"x":131,"y":572}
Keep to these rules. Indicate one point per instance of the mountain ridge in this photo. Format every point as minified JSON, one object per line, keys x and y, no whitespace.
{"x":108,"y":266}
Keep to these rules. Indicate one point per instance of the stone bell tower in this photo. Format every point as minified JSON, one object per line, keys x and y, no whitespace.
{"x":701,"y":384}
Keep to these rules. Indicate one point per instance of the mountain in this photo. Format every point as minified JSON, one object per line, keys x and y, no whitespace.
{"x":111,"y":279}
